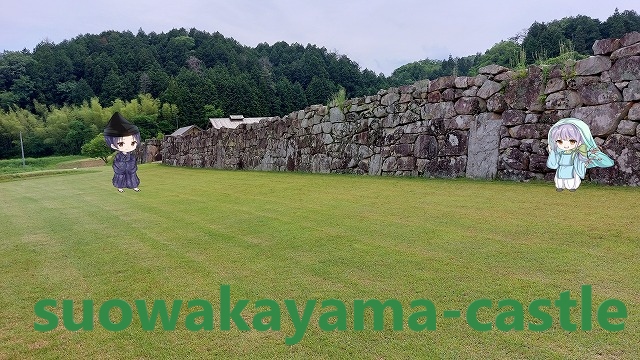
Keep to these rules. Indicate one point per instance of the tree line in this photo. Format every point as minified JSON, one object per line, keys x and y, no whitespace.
{"x":540,"y":43}
{"x":49,"y":130}
{"x":60,"y":96}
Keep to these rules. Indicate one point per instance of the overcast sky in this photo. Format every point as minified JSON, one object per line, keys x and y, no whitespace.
{"x":378,"y":35}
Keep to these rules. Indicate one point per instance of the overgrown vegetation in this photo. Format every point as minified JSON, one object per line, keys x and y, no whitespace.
{"x":97,"y":148}
{"x":64,"y":130}
{"x":338,"y":99}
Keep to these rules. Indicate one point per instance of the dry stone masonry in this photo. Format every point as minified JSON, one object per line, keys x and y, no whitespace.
{"x":493,"y":125}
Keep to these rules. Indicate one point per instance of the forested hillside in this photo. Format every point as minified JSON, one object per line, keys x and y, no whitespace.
{"x":187,"y":68}
{"x":195,"y":73}
{"x":540,"y":43}
{"x":59,"y":96}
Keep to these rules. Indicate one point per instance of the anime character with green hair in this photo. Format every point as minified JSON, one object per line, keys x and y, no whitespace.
{"x":572,"y":151}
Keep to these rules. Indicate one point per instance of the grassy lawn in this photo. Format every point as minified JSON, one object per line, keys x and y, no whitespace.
{"x":10,"y":166}
{"x":12,"y":169}
{"x":303,"y":237}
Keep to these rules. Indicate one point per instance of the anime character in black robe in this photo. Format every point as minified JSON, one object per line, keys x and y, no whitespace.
{"x":124,"y":137}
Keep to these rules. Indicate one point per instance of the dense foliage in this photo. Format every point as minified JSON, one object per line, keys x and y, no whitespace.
{"x":189,"y":69}
{"x":195,"y":75}
{"x":541,"y":42}
{"x":63,"y":130}
{"x":60,"y":96}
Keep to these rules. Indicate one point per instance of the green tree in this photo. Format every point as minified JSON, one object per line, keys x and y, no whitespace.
{"x":112,"y":87}
{"x":320,"y":90}
{"x":7,"y":100}
{"x":448,"y":67}
{"x":191,"y":93}
{"x":504,"y":53}
{"x":52,"y":67}
{"x":75,"y":137}
{"x":97,"y":148}
{"x":14,"y":65}
{"x":211,"y":111}
{"x":17,"y":121}
{"x":583,"y":31}
{"x":23,"y":89}
{"x":543,"y":41}
{"x":619,"y":24}
{"x":97,"y":66}
{"x":147,"y":124}
{"x":168,"y":118}
{"x":419,"y":70}
{"x":81,"y":92}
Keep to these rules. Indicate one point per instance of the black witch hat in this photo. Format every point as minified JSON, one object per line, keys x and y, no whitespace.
{"x":119,"y":126}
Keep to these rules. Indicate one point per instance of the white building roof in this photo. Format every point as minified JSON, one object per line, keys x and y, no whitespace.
{"x":183,"y":130}
{"x":233,"y":121}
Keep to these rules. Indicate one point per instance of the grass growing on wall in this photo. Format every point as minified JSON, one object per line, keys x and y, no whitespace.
{"x":307,"y":236}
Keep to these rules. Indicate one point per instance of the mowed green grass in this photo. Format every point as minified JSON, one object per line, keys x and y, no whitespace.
{"x":308,"y":236}
{"x":13,"y":166}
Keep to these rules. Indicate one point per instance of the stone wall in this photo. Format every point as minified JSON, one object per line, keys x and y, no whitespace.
{"x":493,"y":125}
{"x":150,"y":151}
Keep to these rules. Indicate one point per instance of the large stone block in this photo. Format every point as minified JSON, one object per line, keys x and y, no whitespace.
{"x":632,"y":91}
{"x":492,"y":69}
{"x":606,"y":46}
{"x":484,"y":140}
{"x":602,"y":119}
{"x":406,"y":163}
{"x":460,"y":122}
{"x":390,"y":164}
{"x":630,"y":38}
{"x":538,"y":163}
{"x":461,"y":82}
{"x":496,"y":103}
{"x":555,"y":84}
{"x":592,"y":65}
{"x":454,"y":143}
{"x":336,"y":115}
{"x":390,"y":99}
{"x":321,"y":163}
{"x":444,"y":82}
{"x":525,"y":93}
{"x":470,"y":106}
{"x":626,"y":51}
{"x":529,"y":131}
{"x":375,"y":164}
{"x":627,"y":127}
{"x":488,"y":88}
{"x":426,"y":146}
{"x":634,"y":112}
{"x":515,"y":159}
{"x":599,"y":93}
{"x":566,"y":99}
{"x":441,"y":110}
{"x":625,"y":69}
{"x":513,"y":117}
{"x":444,"y":167}
{"x":625,"y":152}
